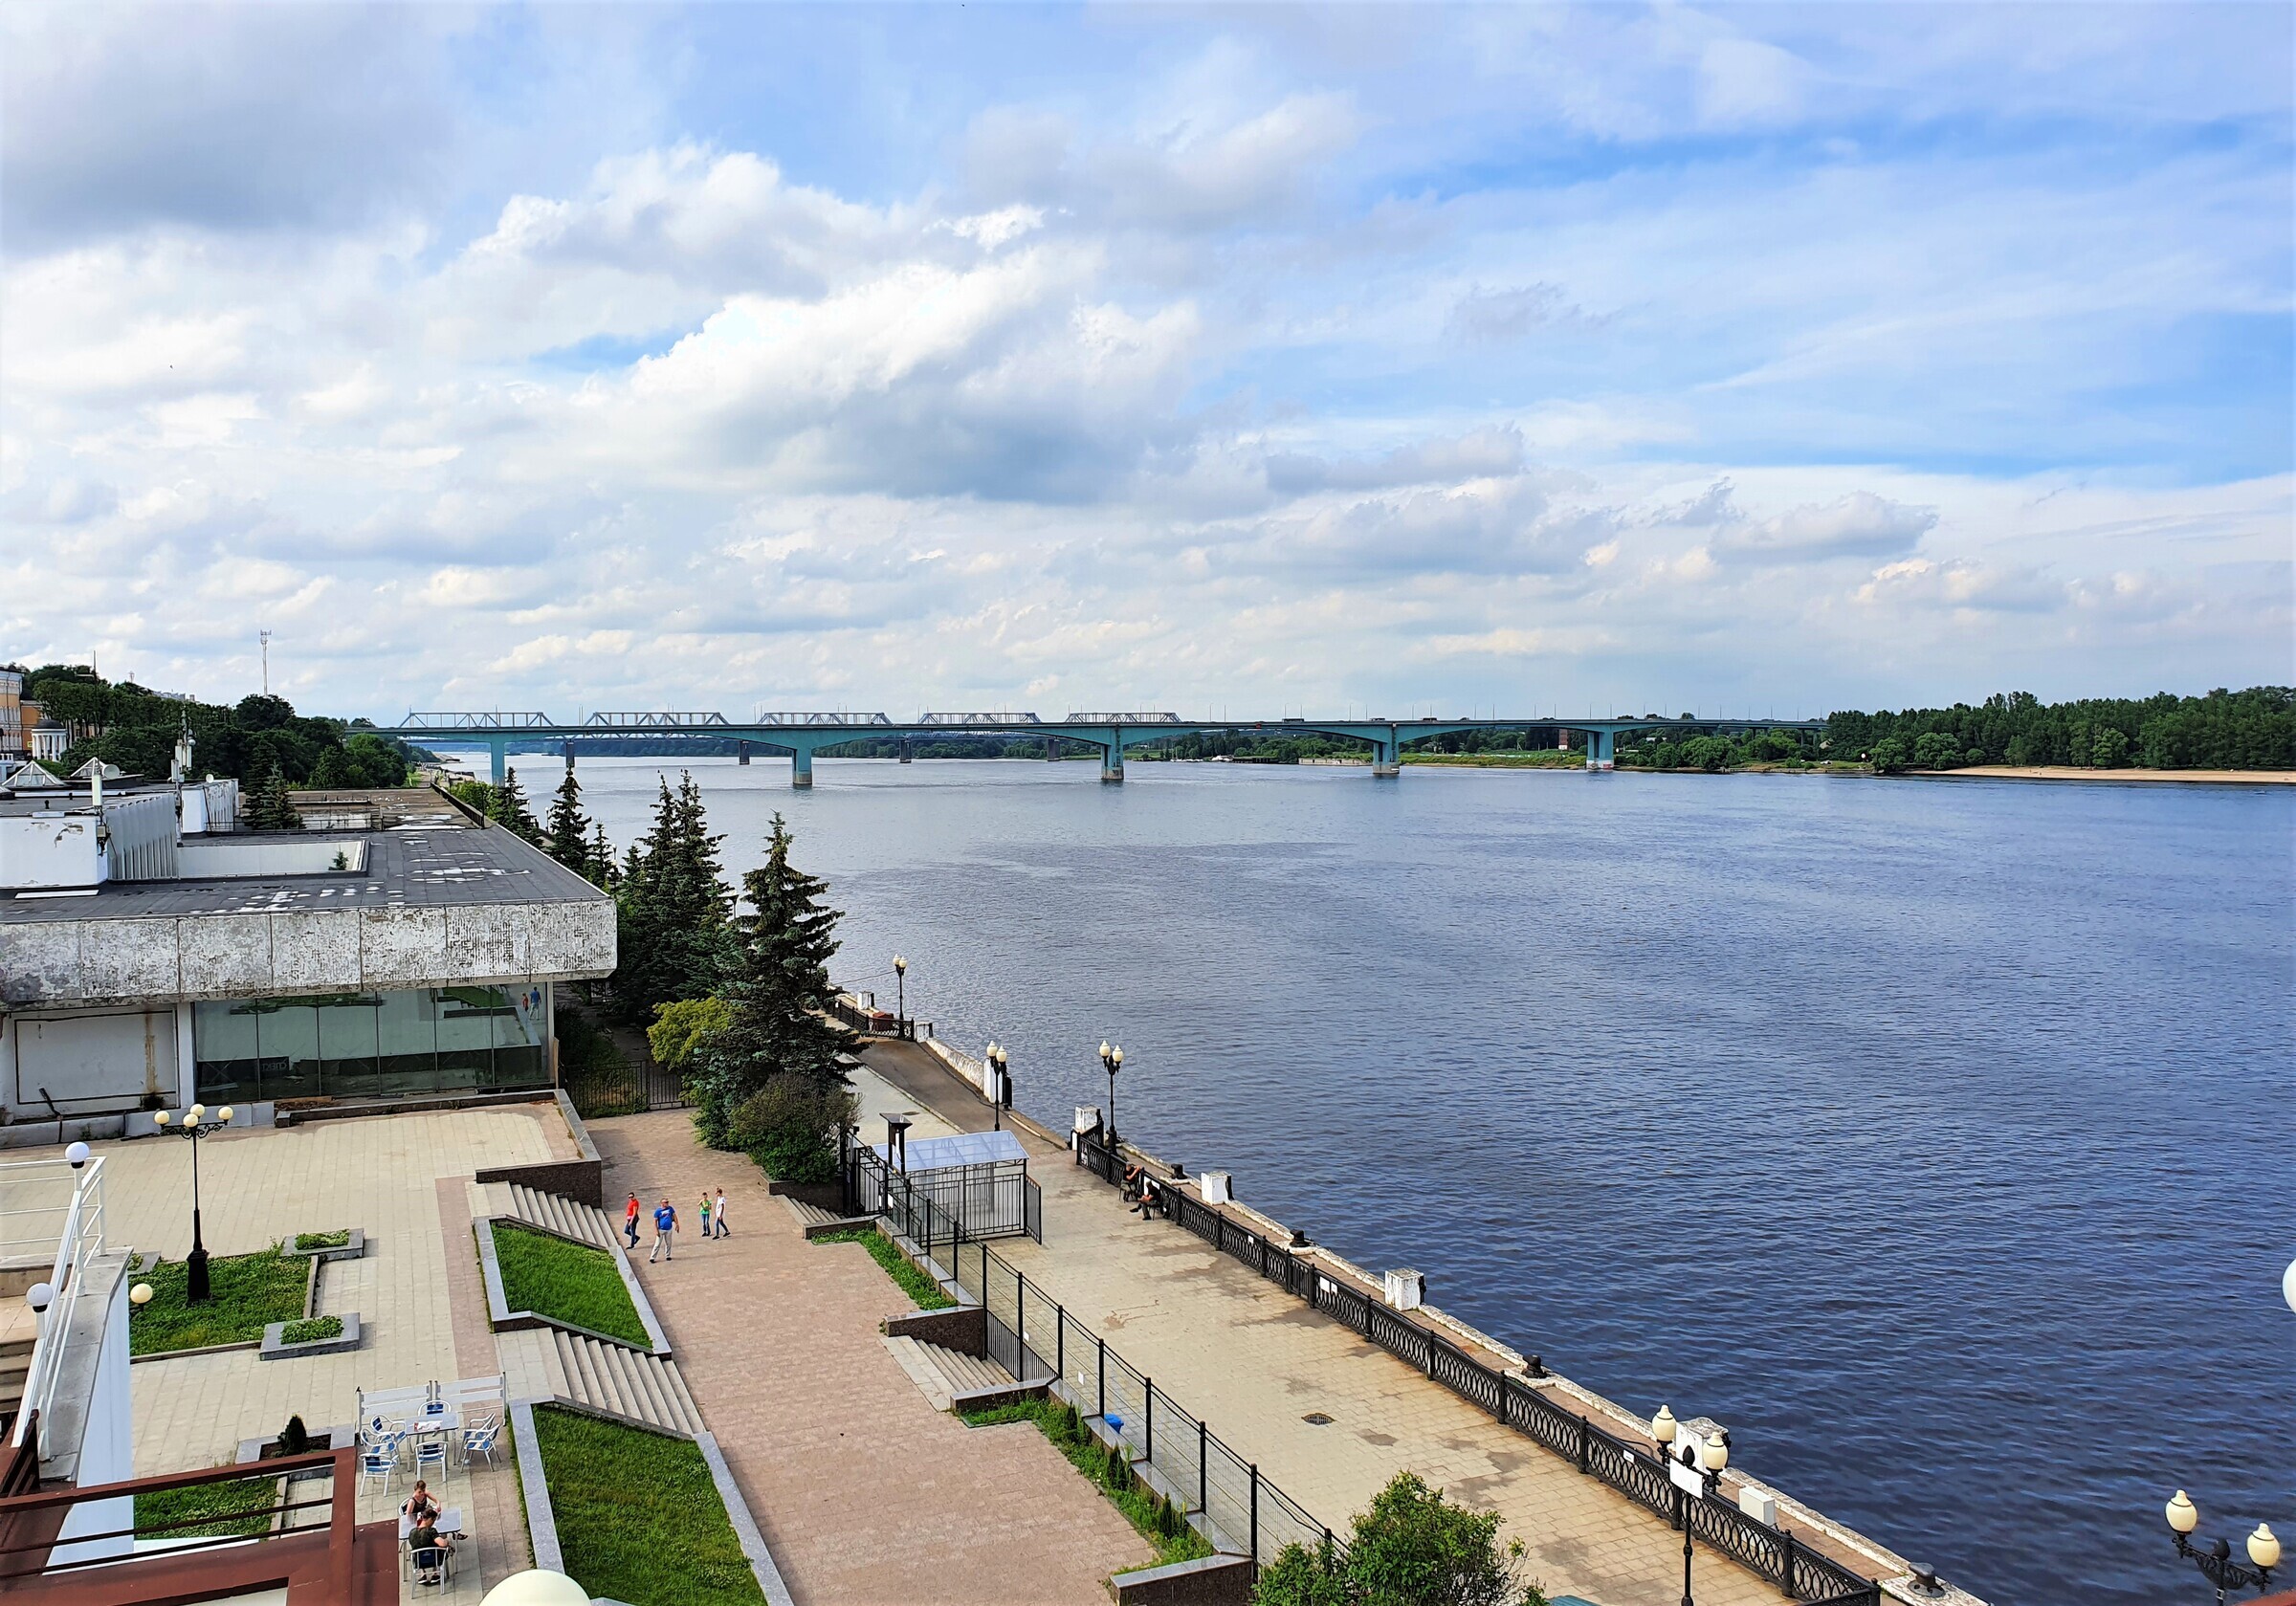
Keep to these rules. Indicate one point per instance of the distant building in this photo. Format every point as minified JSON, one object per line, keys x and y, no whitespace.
{"x":12,"y":742}
{"x":151,"y":954}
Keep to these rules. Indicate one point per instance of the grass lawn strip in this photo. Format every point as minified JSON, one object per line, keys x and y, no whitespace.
{"x":638,"y":1515}
{"x":248,"y":1293}
{"x":922,"y":1291}
{"x":340,"y":1238}
{"x":312,"y":1331}
{"x":567,"y":1282}
{"x":1158,"y":1520}
{"x":223,"y":1507}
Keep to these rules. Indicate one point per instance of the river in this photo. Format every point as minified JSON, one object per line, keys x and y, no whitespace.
{"x":1937,"y":1137}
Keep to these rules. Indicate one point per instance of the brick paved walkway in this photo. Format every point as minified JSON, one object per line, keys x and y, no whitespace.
{"x":1253,"y":1363}
{"x":865,"y":1494}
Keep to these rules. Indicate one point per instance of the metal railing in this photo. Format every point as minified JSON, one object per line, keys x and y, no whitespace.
{"x":1771,"y":1553}
{"x":993,"y":1199}
{"x":765,"y":716}
{"x":79,"y":1241}
{"x":1032,"y":1336}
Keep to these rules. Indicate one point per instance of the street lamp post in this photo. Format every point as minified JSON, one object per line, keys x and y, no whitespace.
{"x":2214,"y":1560}
{"x":999,"y":1093}
{"x":1691,"y":1466}
{"x":900,"y":995}
{"x":195,"y":1264}
{"x":1112,"y":1059}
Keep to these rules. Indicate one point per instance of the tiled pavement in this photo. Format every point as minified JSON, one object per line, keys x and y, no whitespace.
{"x":865,"y":1494}
{"x":1253,"y":1363}
{"x":380,"y":1173}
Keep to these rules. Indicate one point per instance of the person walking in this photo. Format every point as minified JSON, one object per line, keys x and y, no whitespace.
{"x":664,"y":1224}
{"x":705,"y":1216}
{"x":629,"y":1222}
{"x":723,"y":1231}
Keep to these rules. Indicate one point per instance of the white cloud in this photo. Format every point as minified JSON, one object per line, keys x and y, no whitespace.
{"x":1858,"y":525}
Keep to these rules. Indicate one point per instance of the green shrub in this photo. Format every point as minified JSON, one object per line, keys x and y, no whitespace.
{"x":789,"y":1128}
{"x":1115,"y":1469}
{"x":1411,"y":1546}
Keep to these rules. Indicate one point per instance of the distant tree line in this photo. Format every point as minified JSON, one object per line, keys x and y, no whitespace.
{"x":136,"y":729}
{"x":2249,"y":729}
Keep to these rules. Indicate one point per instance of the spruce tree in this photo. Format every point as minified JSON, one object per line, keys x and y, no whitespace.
{"x":269,"y":810}
{"x":568,"y":828}
{"x":674,"y":909}
{"x":508,"y":810}
{"x":777,"y":990}
{"x":600,"y":859}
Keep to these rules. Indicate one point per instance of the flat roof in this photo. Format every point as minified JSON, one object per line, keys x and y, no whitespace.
{"x":415,"y":866}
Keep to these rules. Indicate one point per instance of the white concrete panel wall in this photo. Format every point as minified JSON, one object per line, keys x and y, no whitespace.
{"x":181,"y":959}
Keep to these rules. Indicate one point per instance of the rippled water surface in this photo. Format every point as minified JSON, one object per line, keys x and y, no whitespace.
{"x":1936,"y":1136}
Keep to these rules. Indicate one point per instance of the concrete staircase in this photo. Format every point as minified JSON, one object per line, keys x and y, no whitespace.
{"x":942,"y":1374}
{"x":586,"y":1224}
{"x":611,"y":1379}
{"x":19,"y":1329}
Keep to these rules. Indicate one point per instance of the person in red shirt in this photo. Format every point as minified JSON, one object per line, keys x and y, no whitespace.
{"x":629,"y":1222}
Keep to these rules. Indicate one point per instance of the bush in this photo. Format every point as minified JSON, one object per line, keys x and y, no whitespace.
{"x":789,"y":1127}
{"x":1413,"y":1547}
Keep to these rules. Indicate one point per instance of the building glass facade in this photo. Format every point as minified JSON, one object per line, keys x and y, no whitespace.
{"x":372,"y":1045}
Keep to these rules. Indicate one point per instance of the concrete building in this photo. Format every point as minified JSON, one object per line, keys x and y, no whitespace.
{"x":148,"y":958}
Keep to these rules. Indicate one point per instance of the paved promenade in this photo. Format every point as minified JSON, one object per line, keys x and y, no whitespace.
{"x":865,"y":1494}
{"x":1254,"y":1362}
{"x":381,"y":1174}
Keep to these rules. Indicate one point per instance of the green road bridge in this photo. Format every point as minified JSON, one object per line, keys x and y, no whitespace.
{"x":801,"y":735}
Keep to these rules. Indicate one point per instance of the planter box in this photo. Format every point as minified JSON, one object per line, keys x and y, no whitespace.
{"x":255,"y":1451}
{"x":350,"y":1251}
{"x":274,"y":1349}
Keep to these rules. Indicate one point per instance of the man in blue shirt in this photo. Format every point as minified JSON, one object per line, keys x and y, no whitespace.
{"x":665,"y":1222}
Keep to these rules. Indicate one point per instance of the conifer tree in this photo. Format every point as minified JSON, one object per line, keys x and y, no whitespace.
{"x":568,"y":828}
{"x":674,"y":909}
{"x":269,"y":810}
{"x":777,"y":992}
{"x":508,"y":810}
{"x":601,"y":870}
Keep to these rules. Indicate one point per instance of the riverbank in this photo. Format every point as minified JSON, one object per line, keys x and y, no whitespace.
{"x":2207,"y":778}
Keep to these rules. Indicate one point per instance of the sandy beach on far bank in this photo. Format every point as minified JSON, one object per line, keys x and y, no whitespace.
{"x":2008,"y":772}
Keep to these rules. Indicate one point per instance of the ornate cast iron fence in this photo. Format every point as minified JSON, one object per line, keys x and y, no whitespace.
{"x":1771,"y":1553}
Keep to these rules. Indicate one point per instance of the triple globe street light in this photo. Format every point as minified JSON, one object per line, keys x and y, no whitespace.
{"x":194,"y":1125}
{"x":1113,"y":1061}
{"x":2214,"y":1560}
{"x":1690,"y":1464}
{"x":1000,"y":1087}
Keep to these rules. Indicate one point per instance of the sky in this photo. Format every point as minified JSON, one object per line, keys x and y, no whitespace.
{"x":1231,"y":361}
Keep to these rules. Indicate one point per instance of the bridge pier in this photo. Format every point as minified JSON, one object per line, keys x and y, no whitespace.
{"x":1052,"y":750}
{"x":499,"y":750}
{"x":569,"y":758}
{"x":904,"y":750}
{"x":740,"y":752}
{"x":1112,"y":758}
{"x":1600,"y":748}
{"x":1388,"y":758}
{"x":801,"y":768}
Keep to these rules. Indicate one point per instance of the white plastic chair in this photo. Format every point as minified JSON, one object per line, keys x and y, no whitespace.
{"x":431,"y":1450}
{"x":480,"y":1439}
{"x":379,"y":1461}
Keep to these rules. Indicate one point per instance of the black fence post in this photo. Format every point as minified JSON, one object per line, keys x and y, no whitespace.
{"x":1101,"y":1344}
{"x":1582,"y":1434}
{"x":1785,"y":1572}
{"x":1255,"y":1521}
{"x":1148,"y":1431}
{"x":1203,"y":1478}
{"x":1060,"y":1342}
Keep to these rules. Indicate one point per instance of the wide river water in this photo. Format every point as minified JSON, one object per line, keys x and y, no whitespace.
{"x":1936,"y":1136}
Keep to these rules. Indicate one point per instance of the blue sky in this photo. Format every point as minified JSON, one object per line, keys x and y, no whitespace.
{"x":1536,"y":357}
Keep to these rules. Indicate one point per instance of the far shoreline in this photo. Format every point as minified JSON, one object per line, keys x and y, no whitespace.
{"x":2009,"y":772}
